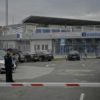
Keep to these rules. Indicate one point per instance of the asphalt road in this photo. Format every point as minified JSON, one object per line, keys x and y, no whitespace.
{"x":49,"y":93}
{"x":55,"y":71}
{"x":59,"y":71}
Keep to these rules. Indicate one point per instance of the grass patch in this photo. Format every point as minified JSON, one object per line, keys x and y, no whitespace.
{"x":97,"y":57}
{"x":58,"y":59}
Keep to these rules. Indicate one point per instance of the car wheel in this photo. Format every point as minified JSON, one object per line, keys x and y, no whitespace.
{"x":0,"y":72}
{"x":26,"y":60}
{"x":40,"y":59}
{"x":49,"y":59}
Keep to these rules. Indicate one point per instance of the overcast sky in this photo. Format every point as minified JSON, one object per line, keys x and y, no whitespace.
{"x":20,"y":9}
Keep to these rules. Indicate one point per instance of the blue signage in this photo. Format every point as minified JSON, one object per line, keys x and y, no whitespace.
{"x":83,"y":34}
{"x":62,"y":42}
{"x":18,"y":35}
{"x":90,"y":34}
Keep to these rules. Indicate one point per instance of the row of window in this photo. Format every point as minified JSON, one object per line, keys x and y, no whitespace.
{"x":51,"y":30}
{"x":41,"y":47}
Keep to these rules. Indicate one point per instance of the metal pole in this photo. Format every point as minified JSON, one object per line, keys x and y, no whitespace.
{"x":6,"y":13}
{"x":6,"y":19}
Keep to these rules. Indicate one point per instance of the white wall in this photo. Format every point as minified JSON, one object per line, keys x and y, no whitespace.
{"x":40,"y":42}
{"x":15,"y":29}
{"x":30,"y":29}
{"x":9,"y":44}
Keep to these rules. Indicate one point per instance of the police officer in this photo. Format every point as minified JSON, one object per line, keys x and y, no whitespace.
{"x":8,"y":66}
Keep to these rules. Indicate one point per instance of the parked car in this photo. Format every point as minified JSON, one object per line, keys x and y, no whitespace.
{"x":2,"y":53}
{"x":28,"y":56}
{"x":18,"y":55}
{"x":73,"y":55}
{"x":34,"y":57}
{"x":38,"y":56}
{"x":45,"y":56}
{"x":31,"y":56}
{"x":2,"y":65}
{"x":21,"y":57}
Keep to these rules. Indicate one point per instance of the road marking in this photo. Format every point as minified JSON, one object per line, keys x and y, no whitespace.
{"x":50,"y":65}
{"x":82,"y":96}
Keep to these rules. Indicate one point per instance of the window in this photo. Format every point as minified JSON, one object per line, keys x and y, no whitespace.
{"x":43,"y":47}
{"x":38,"y":30}
{"x":46,"y":47}
{"x":38,"y":47}
{"x":35,"y":47}
{"x":46,"y":30}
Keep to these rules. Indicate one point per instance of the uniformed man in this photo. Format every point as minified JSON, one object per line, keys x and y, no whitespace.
{"x":8,"y":66}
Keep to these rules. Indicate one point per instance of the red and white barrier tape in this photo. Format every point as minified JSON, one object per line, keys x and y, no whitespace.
{"x":50,"y":84}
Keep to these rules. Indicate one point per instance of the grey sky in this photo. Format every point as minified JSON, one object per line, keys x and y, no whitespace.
{"x":80,"y":9}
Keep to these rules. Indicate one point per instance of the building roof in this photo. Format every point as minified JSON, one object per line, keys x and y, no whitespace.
{"x":59,"y":21}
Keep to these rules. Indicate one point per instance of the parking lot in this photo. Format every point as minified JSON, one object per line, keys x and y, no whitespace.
{"x":87,"y":71}
{"x":57,"y":71}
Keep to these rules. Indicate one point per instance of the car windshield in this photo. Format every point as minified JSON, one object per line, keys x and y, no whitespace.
{"x":73,"y":52}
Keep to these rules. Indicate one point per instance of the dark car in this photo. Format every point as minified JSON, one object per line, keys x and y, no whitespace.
{"x":31,"y":56}
{"x":34,"y":57}
{"x":27,"y":56}
{"x":21,"y":57}
{"x":73,"y":55}
{"x":45,"y":56}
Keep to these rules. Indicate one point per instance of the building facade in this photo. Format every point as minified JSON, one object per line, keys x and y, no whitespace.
{"x":58,"y":36}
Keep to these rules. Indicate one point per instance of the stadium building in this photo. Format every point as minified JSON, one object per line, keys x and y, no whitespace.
{"x":57,"y":35}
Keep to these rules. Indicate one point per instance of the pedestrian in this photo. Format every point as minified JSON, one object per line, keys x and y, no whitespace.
{"x":85,"y":54}
{"x":8,"y":66}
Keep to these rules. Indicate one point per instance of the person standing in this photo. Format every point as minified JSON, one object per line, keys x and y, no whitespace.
{"x":8,"y":66}
{"x":85,"y":54}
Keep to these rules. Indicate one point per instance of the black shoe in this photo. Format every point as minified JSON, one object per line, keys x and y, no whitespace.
{"x":12,"y":81}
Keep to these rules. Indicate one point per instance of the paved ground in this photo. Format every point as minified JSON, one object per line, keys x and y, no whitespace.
{"x":41,"y":93}
{"x":58,"y":71}
{"x":55,"y":71}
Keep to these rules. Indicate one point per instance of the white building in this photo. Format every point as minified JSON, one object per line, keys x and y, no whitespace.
{"x":58,"y":35}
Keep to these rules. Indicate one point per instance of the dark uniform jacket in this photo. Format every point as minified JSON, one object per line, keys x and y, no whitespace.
{"x":8,"y":62}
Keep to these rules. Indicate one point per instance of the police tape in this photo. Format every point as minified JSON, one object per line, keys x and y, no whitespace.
{"x":49,"y":84}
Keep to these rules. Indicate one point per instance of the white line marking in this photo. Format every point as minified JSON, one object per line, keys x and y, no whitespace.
{"x":50,"y":65}
{"x":82,"y":96}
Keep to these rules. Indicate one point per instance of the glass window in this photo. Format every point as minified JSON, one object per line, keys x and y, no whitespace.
{"x":55,"y":30}
{"x":38,"y":30}
{"x":46,"y":47}
{"x":46,"y":30}
{"x":35,"y":47}
{"x":38,"y":47}
{"x":42,"y":47}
